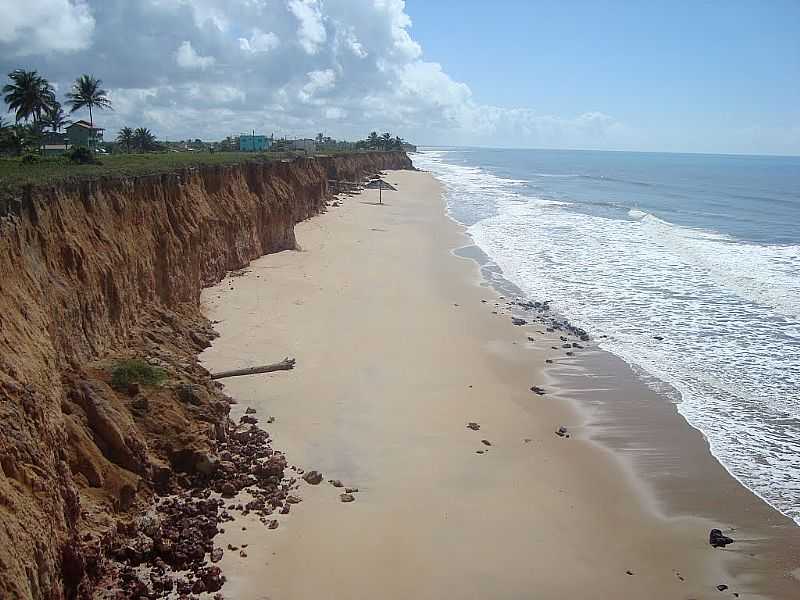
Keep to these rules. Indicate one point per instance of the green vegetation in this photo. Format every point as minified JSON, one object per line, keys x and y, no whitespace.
{"x":29,"y":95}
{"x":138,"y":371}
{"x":15,"y":174}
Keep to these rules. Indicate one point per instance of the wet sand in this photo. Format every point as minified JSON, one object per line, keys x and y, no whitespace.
{"x":396,"y":353}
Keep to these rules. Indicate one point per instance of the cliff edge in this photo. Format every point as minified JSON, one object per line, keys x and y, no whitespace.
{"x":96,"y":273}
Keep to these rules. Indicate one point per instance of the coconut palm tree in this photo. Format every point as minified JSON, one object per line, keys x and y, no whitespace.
{"x":143,"y":139}
{"x":125,"y":137}
{"x":87,"y":93}
{"x":29,"y":95}
{"x":373,"y":141}
{"x":55,"y":118}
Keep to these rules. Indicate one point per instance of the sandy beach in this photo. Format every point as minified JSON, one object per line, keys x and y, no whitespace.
{"x":399,"y":345}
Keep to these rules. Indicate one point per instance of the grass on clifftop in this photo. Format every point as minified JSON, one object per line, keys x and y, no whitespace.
{"x":15,"y":174}
{"x":138,"y":371}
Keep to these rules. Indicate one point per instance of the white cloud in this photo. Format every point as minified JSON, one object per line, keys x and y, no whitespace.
{"x":45,"y":26}
{"x":318,"y":81}
{"x":283,"y":66}
{"x":259,"y":41}
{"x":311,"y":33}
{"x":187,"y":58}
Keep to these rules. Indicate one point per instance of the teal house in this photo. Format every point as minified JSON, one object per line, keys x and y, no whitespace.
{"x":254,"y":143}
{"x":81,"y":133}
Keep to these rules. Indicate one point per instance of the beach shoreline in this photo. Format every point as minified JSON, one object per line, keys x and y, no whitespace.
{"x":398,"y":349}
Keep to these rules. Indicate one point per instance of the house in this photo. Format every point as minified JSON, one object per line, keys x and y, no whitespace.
{"x":307,"y":145}
{"x":254,"y":143}
{"x":54,"y":143}
{"x":81,"y":133}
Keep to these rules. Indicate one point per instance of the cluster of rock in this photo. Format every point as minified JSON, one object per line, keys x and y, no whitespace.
{"x":171,"y":549}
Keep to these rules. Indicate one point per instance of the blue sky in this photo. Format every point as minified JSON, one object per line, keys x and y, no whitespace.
{"x":681,"y":76}
{"x":695,"y":76}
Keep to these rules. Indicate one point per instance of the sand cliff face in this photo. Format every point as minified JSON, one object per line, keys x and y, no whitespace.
{"x":98,"y":270}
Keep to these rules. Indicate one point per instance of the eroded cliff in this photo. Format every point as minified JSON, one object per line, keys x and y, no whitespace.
{"x":97,"y":271}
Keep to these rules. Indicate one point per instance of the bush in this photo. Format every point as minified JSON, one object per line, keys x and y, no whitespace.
{"x":136,"y":370}
{"x":81,"y":155}
{"x":30,"y":159}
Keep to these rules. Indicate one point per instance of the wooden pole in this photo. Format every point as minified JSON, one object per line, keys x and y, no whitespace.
{"x":380,"y":191}
{"x":287,"y":364}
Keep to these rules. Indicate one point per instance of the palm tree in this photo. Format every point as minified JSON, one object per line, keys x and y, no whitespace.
{"x":29,"y":94}
{"x":386,"y":140}
{"x":125,"y":136}
{"x":398,"y":142}
{"x":143,"y":139}
{"x":87,"y":93}
{"x":373,"y":140}
{"x":55,"y":118}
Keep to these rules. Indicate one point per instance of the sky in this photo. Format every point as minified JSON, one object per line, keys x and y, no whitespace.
{"x":679,"y":76}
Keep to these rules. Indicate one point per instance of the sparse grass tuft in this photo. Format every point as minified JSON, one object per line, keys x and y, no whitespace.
{"x":138,"y":371}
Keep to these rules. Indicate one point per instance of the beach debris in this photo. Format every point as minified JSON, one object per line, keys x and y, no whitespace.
{"x":313,"y":477}
{"x":718,"y":540}
{"x":335,"y":482}
{"x":537,"y":390}
{"x":722,"y":587}
{"x":287,"y":364}
{"x":347,"y":498}
{"x":518,"y":321}
{"x":474,"y":426}
{"x":486,"y":442}
{"x":562,"y":432}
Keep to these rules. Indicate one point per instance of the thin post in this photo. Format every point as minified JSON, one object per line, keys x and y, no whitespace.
{"x":380,"y":191}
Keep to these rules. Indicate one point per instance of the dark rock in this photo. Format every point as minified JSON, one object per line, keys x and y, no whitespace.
{"x":313,"y":477}
{"x":347,"y":498}
{"x":549,"y":361}
{"x":249,"y":419}
{"x":335,"y":483}
{"x":561,"y":431}
{"x":718,"y":540}
{"x":486,"y":442}
{"x":518,"y":321}
{"x":250,"y":411}
{"x":293,"y":500}
{"x":351,"y":490}
{"x":658,"y":337}
{"x":537,"y":390}
{"x":473,"y":426}
{"x":216,"y":555}
{"x":193,"y":394}
{"x":722,"y":587}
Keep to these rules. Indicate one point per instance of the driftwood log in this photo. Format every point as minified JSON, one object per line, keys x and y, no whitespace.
{"x":287,"y":364}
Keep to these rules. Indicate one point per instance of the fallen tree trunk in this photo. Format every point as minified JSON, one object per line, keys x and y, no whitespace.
{"x":287,"y":364}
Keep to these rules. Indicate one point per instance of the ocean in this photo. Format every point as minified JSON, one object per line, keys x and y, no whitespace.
{"x":686,"y":266}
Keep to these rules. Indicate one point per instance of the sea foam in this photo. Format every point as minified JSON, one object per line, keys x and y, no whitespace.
{"x":728,"y":311}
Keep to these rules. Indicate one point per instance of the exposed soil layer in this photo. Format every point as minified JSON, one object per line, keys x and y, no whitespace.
{"x":94,"y":272}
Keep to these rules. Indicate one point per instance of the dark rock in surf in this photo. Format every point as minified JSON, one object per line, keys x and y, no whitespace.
{"x":518,"y":321}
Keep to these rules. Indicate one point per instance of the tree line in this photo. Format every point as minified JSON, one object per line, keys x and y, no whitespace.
{"x":381,"y":142}
{"x":32,"y":99}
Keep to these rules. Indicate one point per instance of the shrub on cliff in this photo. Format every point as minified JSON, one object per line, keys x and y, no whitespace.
{"x":81,"y":155}
{"x":138,"y":371}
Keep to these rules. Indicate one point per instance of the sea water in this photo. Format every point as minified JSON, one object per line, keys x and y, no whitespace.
{"x":688,"y":264}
